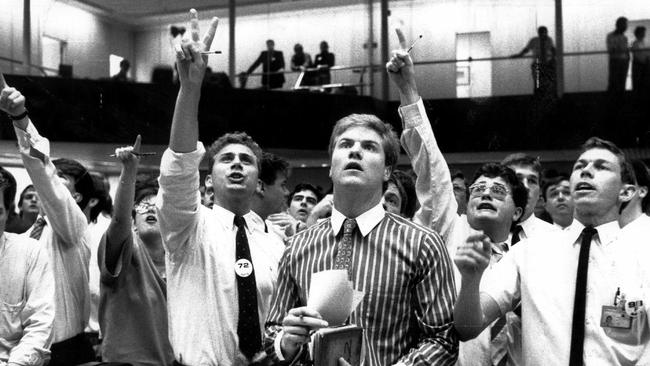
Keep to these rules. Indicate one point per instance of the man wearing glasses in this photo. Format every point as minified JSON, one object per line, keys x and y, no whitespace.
{"x":497,"y":200}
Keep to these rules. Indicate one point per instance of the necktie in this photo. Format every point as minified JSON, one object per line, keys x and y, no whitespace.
{"x":344,"y":253}
{"x":37,"y":228}
{"x":248,"y":327}
{"x":501,"y":322}
{"x":515,"y":234}
{"x":578,"y":328}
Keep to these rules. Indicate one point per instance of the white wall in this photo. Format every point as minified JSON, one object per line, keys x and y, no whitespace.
{"x":511,"y":24}
{"x":90,"y":38}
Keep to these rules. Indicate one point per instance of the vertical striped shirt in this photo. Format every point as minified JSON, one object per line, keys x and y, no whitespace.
{"x":403,"y":269}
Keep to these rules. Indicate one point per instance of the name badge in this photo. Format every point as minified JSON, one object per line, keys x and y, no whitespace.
{"x":243,"y":268}
{"x":615,"y":317}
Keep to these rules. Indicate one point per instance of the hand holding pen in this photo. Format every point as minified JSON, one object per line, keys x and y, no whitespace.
{"x":401,"y":71}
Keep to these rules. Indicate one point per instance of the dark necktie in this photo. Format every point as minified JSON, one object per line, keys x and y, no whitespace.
{"x":344,"y":252}
{"x":248,"y":327}
{"x":37,"y":228}
{"x":515,"y":234}
{"x":501,"y":322}
{"x":578,"y":328}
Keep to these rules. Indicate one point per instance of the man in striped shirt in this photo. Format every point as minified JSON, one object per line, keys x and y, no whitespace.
{"x":403,"y":268}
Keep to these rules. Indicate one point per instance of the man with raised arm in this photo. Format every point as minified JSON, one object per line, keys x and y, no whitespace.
{"x":403,"y":268}
{"x":26,"y":291}
{"x":65,"y":189}
{"x":221,"y":265}
{"x":133,"y":304}
{"x":497,"y":199}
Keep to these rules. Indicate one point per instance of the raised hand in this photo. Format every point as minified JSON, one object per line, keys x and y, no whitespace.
{"x":284,"y":221}
{"x":129,"y":155}
{"x":191,"y":63}
{"x":473,"y":256}
{"x":12,"y":101}
{"x":297,"y":327}
{"x":401,"y":72}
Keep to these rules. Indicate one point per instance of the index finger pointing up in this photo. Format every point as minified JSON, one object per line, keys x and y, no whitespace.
{"x":402,"y":40}
{"x":209,"y":35}
{"x":194,"y":25}
{"x":3,"y":83}
{"x":136,"y":144}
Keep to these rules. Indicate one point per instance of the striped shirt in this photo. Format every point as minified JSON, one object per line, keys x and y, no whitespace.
{"x":403,"y":269}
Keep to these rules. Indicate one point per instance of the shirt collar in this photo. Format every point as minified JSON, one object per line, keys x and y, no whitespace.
{"x":527,"y":226}
{"x":365,"y":222}
{"x":227,"y":218}
{"x":607,"y":233}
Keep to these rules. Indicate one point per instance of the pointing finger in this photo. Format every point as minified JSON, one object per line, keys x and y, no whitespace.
{"x":3,"y":83}
{"x":209,"y":35}
{"x":194,"y":25}
{"x":136,"y":144}
{"x":400,"y":37}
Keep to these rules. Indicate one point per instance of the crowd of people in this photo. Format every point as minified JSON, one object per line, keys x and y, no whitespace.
{"x":218,"y":271}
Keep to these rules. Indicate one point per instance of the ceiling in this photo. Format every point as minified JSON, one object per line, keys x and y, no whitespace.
{"x":143,"y":8}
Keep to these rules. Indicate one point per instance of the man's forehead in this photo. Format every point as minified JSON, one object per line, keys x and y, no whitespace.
{"x":485,"y":179}
{"x":524,"y":170}
{"x":563,"y":184}
{"x":306,"y":192}
{"x":599,"y":154}
{"x":360,"y":133}
{"x":235,"y":149}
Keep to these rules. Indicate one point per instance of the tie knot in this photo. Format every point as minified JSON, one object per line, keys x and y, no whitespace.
{"x":40,"y":221}
{"x":589,"y":232}
{"x":240,"y":222}
{"x":349,"y":225}
{"x":517,"y":230}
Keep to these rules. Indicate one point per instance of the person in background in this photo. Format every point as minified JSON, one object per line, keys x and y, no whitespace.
{"x":26,"y":291}
{"x":640,"y":62}
{"x":300,"y":61}
{"x":634,"y":214}
{"x":619,"y":56}
{"x":65,"y":189}
{"x":272,"y":62}
{"x":302,"y":200}
{"x":543,"y":66}
{"x":399,"y":197}
{"x":558,"y":202}
{"x":123,"y":74}
{"x":133,"y":304}
{"x":461,"y":190}
{"x":29,"y":208}
{"x":324,"y":60}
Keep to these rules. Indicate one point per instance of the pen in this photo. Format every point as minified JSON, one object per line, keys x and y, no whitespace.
{"x":138,"y":154}
{"x":413,"y":44}
{"x":210,"y":52}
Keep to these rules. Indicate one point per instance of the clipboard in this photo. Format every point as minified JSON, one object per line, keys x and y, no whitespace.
{"x":330,"y":344}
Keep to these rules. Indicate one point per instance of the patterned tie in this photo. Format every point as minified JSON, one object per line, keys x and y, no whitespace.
{"x":248,"y":327}
{"x":344,"y":254}
{"x":516,"y":232}
{"x":578,"y":328}
{"x":37,"y":228}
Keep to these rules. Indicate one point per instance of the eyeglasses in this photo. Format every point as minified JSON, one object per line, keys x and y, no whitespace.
{"x":498,"y":190}
{"x":144,"y":207}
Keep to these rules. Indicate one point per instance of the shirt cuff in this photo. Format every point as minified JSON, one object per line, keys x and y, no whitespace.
{"x":411,"y":114}
{"x":174,"y":163}
{"x":276,"y":345}
{"x":29,"y":138}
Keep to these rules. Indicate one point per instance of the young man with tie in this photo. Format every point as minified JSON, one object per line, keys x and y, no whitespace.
{"x":221,"y":266}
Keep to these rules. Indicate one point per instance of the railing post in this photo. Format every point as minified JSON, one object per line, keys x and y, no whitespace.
{"x":559,"y":39}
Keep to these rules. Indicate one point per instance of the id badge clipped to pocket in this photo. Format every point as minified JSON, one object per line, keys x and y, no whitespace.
{"x":621,"y":326}
{"x":615,"y":317}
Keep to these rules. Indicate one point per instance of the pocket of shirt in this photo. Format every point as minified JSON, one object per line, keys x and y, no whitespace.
{"x":632,"y":336}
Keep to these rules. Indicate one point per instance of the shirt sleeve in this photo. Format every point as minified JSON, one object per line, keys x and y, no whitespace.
{"x":503,"y":282}
{"x":438,"y":207}
{"x":435,"y":296}
{"x":179,"y":201}
{"x":38,"y":314}
{"x":64,"y":214}
{"x":108,"y":278}
{"x":285,"y":298}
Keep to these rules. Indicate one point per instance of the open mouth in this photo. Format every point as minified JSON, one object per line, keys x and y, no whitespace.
{"x":236,"y":177}
{"x":486,"y":206}
{"x":583,"y":186}
{"x":353,"y":166}
{"x":151,"y":219}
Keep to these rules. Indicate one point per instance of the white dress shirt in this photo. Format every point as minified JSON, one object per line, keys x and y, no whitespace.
{"x":201,"y":283}
{"x":542,"y":275}
{"x":26,"y":301}
{"x":65,"y":236}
